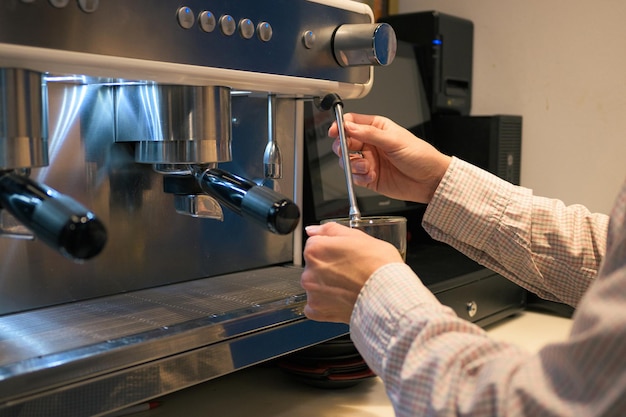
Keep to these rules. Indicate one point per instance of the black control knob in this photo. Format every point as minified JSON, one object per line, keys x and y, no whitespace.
{"x":56,"y":219}
{"x":364,"y":44}
{"x":261,"y":204}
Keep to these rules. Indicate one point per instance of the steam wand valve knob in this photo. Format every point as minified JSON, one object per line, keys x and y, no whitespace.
{"x":333,"y":101}
{"x":364,"y":44}
{"x":329,"y":101}
{"x":56,"y":219}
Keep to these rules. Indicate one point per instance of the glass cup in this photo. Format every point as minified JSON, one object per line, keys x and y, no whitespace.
{"x":391,"y":229}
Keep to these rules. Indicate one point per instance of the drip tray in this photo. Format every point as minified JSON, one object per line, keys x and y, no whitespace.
{"x":65,"y":344}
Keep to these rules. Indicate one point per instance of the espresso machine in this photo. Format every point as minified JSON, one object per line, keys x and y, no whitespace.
{"x":150,"y":185}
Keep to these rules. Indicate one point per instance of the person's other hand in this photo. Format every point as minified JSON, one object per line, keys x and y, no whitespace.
{"x":395,"y":162}
{"x":339,"y":260}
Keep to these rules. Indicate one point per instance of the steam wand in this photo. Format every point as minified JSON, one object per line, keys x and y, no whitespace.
{"x":272,"y":160}
{"x":333,"y":101}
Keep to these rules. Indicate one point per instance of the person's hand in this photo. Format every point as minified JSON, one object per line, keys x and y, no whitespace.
{"x":395,"y":162}
{"x":339,"y":260}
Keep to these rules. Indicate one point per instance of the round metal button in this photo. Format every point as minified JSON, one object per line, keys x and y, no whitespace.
{"x":308,"y":39}
{"x":265,"y":31}
{"x":207,"y":21}
{"x":186,"y":18}
{"x":88,"y":6}
{"x":246,"y":28}
{"x":228,"y":25}
{"x":59,"y":3}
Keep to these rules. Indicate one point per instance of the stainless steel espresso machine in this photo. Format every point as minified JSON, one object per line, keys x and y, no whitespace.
{"x":150,"y":184}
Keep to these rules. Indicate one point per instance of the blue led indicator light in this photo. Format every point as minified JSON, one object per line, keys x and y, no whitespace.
{"x":437,"y":42}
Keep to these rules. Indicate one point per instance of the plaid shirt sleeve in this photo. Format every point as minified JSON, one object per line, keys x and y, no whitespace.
{"x":435,"y":364}
{"x":550,"y":249}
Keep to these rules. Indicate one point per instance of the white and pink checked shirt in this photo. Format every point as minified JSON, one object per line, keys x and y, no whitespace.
{"x":435,"y":364}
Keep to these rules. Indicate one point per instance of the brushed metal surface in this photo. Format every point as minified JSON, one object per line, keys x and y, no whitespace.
{"x":23,"y":124}
{"x":174,"y":124}
{"x":149,"y":243}
{"x":148,"y":30}
{"x":141,"y":344}
{"x":172,"y":300}
{"x":50,"y":338}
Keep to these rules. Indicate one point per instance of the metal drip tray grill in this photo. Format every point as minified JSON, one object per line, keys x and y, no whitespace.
{"x":65,"y":343}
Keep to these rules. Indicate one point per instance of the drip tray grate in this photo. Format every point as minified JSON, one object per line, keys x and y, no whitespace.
{"x":120,"y":320}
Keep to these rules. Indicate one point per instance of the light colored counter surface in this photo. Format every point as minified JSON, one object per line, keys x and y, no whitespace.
{"x":265,"y":391}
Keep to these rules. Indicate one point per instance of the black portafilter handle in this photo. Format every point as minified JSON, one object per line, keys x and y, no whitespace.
{"x":261,"y":204}
{"x":56,"y":219}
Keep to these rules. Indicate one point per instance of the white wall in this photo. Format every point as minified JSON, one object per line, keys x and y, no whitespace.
{"x":561,"y":64}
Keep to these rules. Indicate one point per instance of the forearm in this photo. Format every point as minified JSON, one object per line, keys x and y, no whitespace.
{"x":432,"y":362}
{"x":550,"y":249}
{"x":435,"y":364}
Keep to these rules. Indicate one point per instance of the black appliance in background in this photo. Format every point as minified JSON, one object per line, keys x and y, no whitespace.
{"x":443,"y":49}
{"x":435,"y":107}
{"x":444,"y":46}
{"x":493,"y":143}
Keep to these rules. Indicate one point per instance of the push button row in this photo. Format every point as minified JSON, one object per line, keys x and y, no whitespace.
{"x":208,"y":22}
{"x":87,"y":6}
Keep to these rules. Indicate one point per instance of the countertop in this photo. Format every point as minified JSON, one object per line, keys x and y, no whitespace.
{"x":265,"y":390}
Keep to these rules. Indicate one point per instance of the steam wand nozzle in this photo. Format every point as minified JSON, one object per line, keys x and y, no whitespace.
{"x":272,"y":159}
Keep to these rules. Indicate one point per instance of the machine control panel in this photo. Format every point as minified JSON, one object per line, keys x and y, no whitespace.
{"x":208,"y":23}
{"x":87,"y":6}
{"x":281,"y":37}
